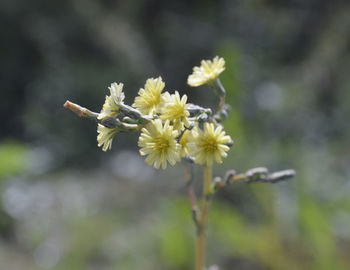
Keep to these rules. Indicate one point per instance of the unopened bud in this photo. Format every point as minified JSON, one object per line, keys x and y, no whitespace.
{"x":230,"y":143}
{"x":195,"y":110}
{"x":228,"y":175}
{"x":281,"y":176}
{"x":203,"y":117}
{"x":257,"y":174}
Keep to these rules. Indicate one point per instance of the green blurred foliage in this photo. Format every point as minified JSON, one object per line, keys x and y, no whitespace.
{"x":12,"y":158}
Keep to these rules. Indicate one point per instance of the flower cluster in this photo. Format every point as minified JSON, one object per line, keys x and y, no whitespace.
{"x":170,"y":127}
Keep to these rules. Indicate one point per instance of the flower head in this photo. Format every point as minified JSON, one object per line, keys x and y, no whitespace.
{"x":184,"y":142}
{"x":150,"y":97}
{"x":209,"y":144}
{"x":159,"y":143}
{"x":105,"y":136}
{"x":175,"y":110}
{"x":207,"y":72}
{"x":110,"y":107}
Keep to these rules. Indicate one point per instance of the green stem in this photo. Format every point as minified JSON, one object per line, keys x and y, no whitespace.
{"x":191,"y":193}
{"x":202,"y":224}
{"x":222,"y":94}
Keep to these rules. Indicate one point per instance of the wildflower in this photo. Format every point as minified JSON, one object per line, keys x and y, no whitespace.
{"x":184,"y":142}
{"x":149,"y":98}
{"x":105,"y":136}
{"x":175,"y":110}
{"x":209,"y":144}
{"x":159,"y":143}
{"x":110,"y":107}
{"x":207,"y":72}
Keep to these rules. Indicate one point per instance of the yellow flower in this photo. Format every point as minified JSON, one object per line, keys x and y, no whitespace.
{"x":175,"y":110}
{"x":110,"y":107}
{"x":105,"y":136}
{"x":206,"y":145}
{"x":159,"y":143}
{"x":184,"y":141}
{"x":149,"y":98}
{"x":207,"y":72}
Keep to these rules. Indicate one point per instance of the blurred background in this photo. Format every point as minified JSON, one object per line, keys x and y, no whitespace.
{"x":66,"y":205}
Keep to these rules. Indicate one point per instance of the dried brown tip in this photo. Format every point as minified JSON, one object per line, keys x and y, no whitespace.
{"x":74,"y":108}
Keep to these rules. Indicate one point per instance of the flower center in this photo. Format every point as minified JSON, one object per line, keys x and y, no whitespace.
{"x":161,"y":144}
{"x":153,"y":100}
{"x":209,"y":144}
{"x":177,"y":111}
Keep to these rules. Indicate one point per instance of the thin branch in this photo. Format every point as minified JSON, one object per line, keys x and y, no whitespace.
{"x":259,"y":174}
{"x":191,"y":193}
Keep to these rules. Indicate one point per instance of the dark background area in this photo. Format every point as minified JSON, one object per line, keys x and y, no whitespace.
{"x":67,"y":205}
